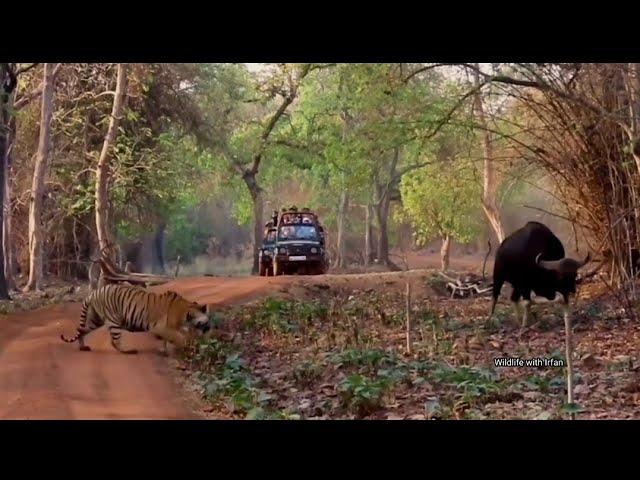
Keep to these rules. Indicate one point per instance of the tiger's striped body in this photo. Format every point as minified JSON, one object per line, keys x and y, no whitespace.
{"x":134,"y":309}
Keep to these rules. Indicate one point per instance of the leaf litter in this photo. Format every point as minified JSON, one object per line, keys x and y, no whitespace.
{"x":338,"y":352}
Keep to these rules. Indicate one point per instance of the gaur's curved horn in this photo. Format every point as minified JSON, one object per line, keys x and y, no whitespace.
{"x":548,"y":264}
{"x":586,"y":260}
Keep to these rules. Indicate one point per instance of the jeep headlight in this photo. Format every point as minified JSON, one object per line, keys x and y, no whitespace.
{"x":283,"y":250}
{"x":314,"y":250}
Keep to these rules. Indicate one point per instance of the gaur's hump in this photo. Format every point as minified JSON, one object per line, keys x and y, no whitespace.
{"x":536,"y":225}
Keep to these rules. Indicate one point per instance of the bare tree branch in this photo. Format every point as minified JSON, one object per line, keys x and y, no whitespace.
{"x":273,"y":120}
{"x":420,"y":70}
{"x":26,"y":69}
{"x":35,"y":93}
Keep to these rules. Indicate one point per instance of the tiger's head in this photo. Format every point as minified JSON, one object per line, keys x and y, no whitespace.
{"x":198,"y":318}
{"x":189,"y":313}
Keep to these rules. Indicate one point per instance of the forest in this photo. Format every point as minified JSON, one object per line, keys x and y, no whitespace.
{"x":172,"y":170}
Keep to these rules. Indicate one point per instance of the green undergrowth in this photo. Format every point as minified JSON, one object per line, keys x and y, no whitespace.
{"x":342,"y":355}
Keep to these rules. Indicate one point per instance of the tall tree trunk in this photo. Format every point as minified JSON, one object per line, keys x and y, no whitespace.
{"x":158,"y":241}
{"x":7,"y":84}
{"x":258,"y":217}
{"x":102,"y":172}
{"x":368,"y":235}
{"x":382,"y":216}
{"x":444,"y":253}
{"x":385,"y":194}
{"x":341,"y":261}
{"x":4,"y":291}
{"x":258,"y":229}
{"x":36,"y":236}
{"x":6,"y":203}
{"x":9,"y":265}
{"x":490,"y":185}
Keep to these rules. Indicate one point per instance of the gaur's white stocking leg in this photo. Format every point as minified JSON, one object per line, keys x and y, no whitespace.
{"x":568,"y":349}
{"x":527,"y":312}
{"x":516,"y":307}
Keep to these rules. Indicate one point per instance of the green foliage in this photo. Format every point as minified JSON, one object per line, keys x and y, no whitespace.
{"x":361,"y":394}
{"x":153,"y":166}
{"x":472,"y":383}
{"x":544,"y":383}
{"x":353,"y":117}
{"x":226,"y":378}
{"x":441,"y":200}
{"x":371,"y":358}
{"x":305,"y":373}
{"x":287,"y":316}
{"x":572,"y":408}
{"x":189,"y":130}
{"x":208,"y":353}
{"x":233,"y":382}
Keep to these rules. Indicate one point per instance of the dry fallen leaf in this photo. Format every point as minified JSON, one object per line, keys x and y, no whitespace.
{"x":590,"y":361}
{"x":580,"y":389}
{"x":418,"y":416}
{"x":631,"y":387}
{"x":394,"y":416}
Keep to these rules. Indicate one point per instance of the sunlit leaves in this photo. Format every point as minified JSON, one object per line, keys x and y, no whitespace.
{"x":442,"y":199}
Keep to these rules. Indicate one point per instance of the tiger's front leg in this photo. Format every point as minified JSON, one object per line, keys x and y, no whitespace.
{"x":116,"y":339}
{"x":169,"y":335}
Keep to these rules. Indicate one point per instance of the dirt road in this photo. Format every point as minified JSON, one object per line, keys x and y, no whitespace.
{"x":43,"y":378}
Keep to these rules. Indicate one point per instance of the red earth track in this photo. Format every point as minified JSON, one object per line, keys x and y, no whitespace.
{"x":43,"y":378}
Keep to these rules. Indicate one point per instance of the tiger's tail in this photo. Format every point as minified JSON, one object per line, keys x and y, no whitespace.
{"x":82,"y":326}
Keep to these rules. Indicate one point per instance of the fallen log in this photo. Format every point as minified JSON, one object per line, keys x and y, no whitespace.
{"x":112,"y":274}
{"x":469,"y":285}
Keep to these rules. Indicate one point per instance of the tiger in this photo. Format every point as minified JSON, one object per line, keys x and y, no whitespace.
{"x":134,"y":309}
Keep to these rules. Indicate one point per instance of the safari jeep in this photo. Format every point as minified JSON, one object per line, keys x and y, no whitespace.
{"x":265,"y":261}
{"x":300,"y":244}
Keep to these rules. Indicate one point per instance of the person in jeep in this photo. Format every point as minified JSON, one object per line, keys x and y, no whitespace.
{"x":267,"y":250}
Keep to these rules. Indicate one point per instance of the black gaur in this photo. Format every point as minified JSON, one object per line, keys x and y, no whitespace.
{"x":532,"y":259}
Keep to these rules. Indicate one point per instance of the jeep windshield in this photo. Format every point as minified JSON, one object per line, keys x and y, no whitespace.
{"x":298,"y":232}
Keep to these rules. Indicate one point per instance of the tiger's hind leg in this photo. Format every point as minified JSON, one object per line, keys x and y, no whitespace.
{"x":164,"y":350}
{"x":116,"y":339}
{"x":88,"y":324}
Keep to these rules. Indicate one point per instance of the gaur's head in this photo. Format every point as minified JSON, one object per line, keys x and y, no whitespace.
{"x":565,"y":270}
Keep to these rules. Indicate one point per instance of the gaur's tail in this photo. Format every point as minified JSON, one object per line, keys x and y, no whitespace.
{"x":484,"y":264}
